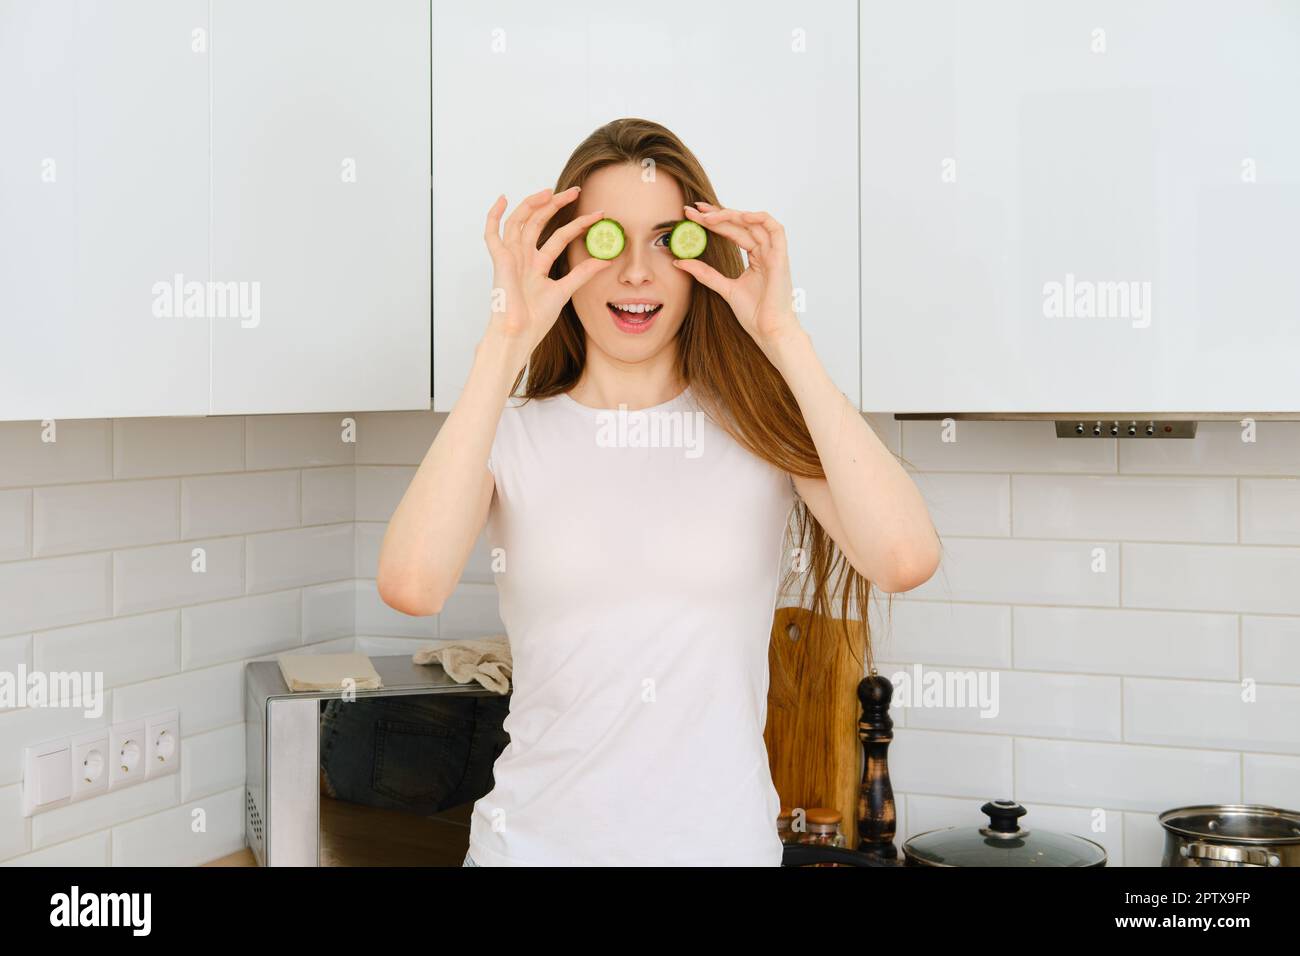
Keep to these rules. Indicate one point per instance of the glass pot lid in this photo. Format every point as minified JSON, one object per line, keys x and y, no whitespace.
{"x":1002,"y":843}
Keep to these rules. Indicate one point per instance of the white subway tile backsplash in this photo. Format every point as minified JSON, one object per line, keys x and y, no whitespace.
{"x":396,"y":438}
{"x":1144,"y":839}
{"x":207,"y":698}
{"x":290,"y":559}
{"x":1124,"y":776}
{"x":87,"y":816}
{"x":1270,"y":510}
{"x":1124,"y":507}
{"x":241,"y":628}
{"x":36,"y":453}
{"x":370,"y":536}
{"x":123,"y":649}
{"x":1258,"y":580}
{"x":1270,"y":649}
{"x":49,"y":592}
{"x":1011,"y":571}
{"x":329,"y":495}
{"x":1272,"y":780}
{"x":1126,"y":642}
{"x":299,"y":441}
{"x":390,"y":645}
{"x":374,"y":617}
{"x":238,"y":504}
{"x":1064,"y":706}
{"x":329,"y":611}
{"x":15,"y":829}
{"x":931,"y":632}
{"x":1212,"y":714}
{"x":212,"y":762}
{"x":1218,"y":449}
{"x":1002,"y":447}
{"x":15,"y":654}
{"x":15,"y":524}
{"x":172,"y":575}
{"x":155,"y":447}
{"x":106,"y":514}
{"x":341,"y":645}
{"x":91,"y":850}
{"x":951,"y":764}
{"x":973,"y":505}
{"x":903,"y":820}
{"x":927,"y":812}
{"x":169,"y":839}
{"x":380,"y":489}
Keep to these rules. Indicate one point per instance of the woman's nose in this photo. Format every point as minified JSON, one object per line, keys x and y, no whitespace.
{"x":636,"y":265}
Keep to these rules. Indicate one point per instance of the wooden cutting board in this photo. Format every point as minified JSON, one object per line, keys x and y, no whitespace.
{"x":812,"y":717}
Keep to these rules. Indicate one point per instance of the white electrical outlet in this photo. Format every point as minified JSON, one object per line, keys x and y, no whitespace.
{"x":163,"y":735}
{"x":90,"y":764}
{"x":127,"y":750}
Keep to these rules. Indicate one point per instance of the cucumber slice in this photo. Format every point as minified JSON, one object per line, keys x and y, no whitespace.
{"x":688,"y":239}
{"x":605,"y":239}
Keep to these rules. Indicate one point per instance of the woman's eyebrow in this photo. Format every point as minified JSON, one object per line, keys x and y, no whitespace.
{"x":666,"y":224}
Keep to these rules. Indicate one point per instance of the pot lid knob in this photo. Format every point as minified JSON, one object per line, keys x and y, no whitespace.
{"x":1003,"y":815}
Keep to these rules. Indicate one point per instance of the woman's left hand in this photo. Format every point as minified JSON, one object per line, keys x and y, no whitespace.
{"x":762,"y":295}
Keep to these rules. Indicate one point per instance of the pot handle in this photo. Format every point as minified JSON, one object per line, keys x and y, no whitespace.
{"x":1238,"y":855}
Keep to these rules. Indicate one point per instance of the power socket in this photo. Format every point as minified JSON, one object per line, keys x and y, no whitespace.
{"x":163,"y":738}
{"x":90,"y":764}
{"x":127,"y":751}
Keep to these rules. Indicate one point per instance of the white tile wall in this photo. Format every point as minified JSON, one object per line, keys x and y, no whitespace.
{"x":1140,"y":603}
{"x":1170,"y":677}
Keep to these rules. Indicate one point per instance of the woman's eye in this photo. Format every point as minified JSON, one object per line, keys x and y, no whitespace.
{"x":663,"y":236}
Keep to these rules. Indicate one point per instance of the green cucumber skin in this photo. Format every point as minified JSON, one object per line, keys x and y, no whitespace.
{"x":686,"y":228}
{"x":595,"y":229}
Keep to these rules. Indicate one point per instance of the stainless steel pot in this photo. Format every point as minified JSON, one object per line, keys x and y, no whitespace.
{"x":1231,"y":835}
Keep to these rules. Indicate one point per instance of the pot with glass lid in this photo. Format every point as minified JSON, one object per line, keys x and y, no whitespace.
{"x":1003,"y":842}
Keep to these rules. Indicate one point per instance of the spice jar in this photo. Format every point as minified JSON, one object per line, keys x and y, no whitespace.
{"x":823,"y":828}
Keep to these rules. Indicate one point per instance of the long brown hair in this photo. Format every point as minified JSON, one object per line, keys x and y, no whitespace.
{"x":729,"y":375}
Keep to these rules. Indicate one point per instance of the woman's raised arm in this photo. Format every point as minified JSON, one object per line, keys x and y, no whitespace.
{"x":432,"y":532}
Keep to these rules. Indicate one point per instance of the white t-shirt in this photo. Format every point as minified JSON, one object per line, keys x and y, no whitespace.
{"x":642,"y":562}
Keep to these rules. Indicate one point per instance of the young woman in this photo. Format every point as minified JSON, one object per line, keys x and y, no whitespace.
{"x":638,"y":576}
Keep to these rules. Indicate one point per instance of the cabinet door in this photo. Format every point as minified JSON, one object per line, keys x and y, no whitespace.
{"x":1071,"y":208}
{"x":765,"y":98}
{"x":320,"y":191}
{"x":103,"y":203}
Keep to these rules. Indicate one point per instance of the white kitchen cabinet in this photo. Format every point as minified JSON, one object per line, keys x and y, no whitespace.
{"x":103,"y":195}
{"x":1073,"y":207}
{"x":763,"y":94}
{"x":320,"y":193}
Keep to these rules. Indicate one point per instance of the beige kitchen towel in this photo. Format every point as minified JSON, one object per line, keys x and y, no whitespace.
{"x":486,"y":660}
{"x":328,"y":671}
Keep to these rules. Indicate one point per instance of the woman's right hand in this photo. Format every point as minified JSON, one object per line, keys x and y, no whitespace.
{"x":526,"y":301}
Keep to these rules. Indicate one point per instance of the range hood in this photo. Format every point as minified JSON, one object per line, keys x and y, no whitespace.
{"x":1109,"y":424}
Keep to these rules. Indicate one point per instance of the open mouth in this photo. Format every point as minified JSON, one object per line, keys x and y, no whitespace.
{"x":634,"y":317}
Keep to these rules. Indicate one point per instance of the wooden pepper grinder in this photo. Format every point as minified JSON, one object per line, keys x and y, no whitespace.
{"x":877,"y":815}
